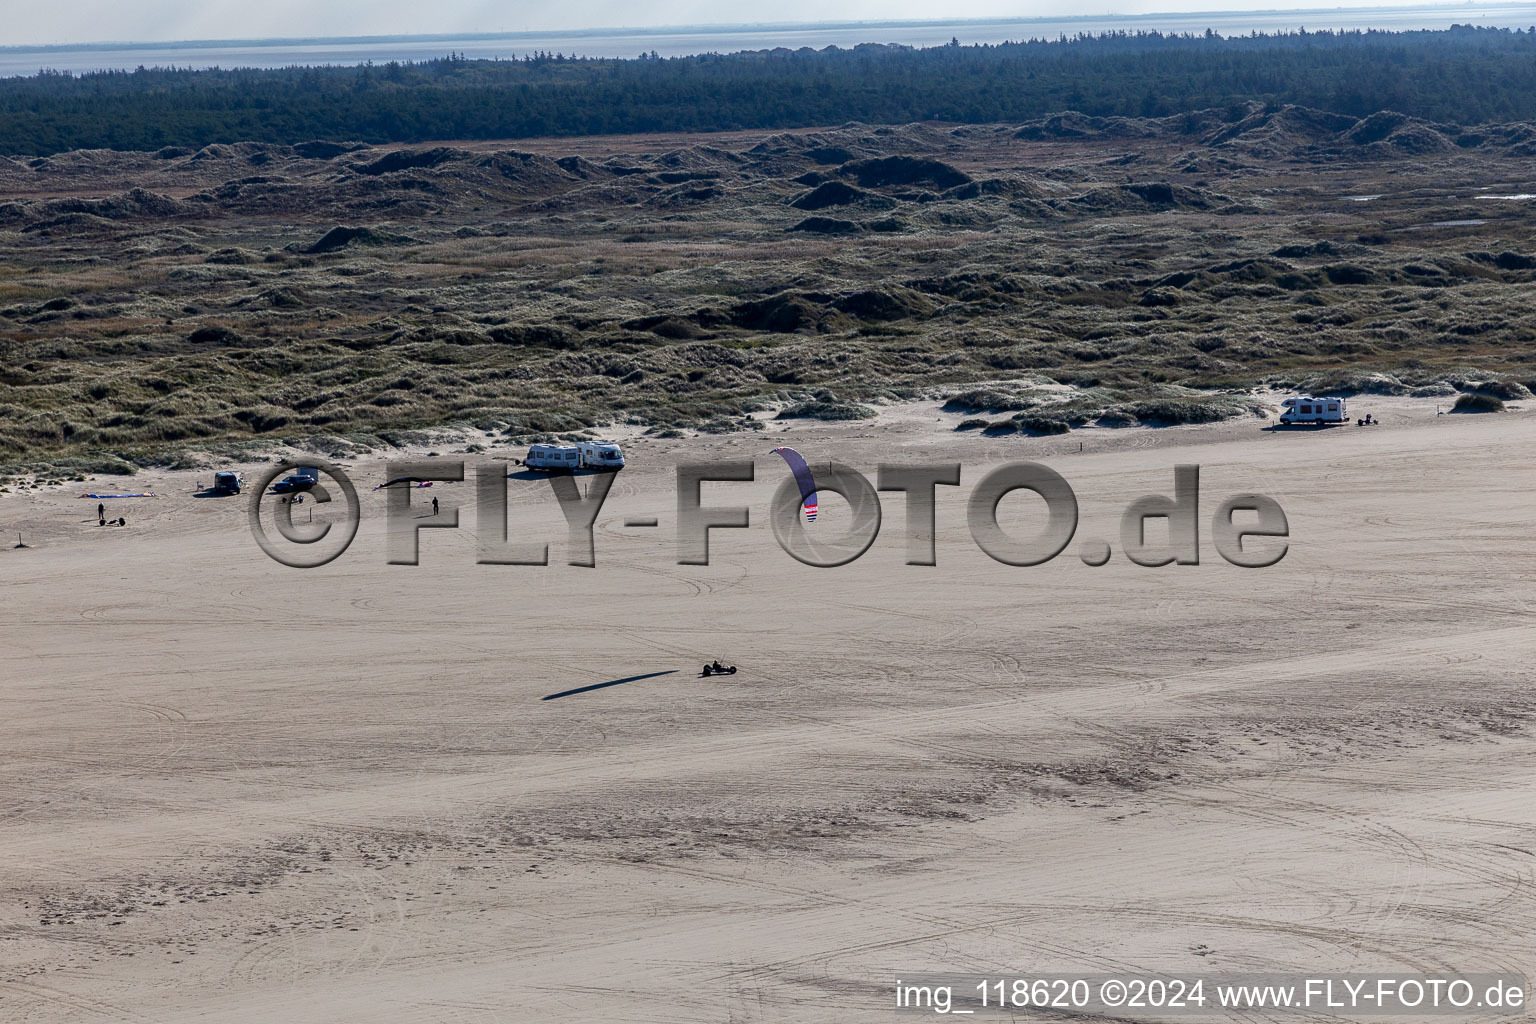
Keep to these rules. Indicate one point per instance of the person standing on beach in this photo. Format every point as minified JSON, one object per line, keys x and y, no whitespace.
{"x":101,"y":510}
{"x":434,"y":506}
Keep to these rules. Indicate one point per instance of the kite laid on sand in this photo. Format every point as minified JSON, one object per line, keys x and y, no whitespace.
{"x":97,"y":497}
{"x":408,"y":480}
{"x":803,"y":478}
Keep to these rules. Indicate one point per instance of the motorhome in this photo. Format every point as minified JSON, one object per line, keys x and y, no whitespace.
{"x":553,"y":458}
{"x":602,"y":455}
{"x":1317,"y":411}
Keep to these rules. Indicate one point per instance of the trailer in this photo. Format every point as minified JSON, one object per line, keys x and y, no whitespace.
{"x":553,"y":458}
{"x":1314,"y":411}
{"x":600,"y":455}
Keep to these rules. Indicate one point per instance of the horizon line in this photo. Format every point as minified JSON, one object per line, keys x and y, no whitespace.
{"x":744,"y":28}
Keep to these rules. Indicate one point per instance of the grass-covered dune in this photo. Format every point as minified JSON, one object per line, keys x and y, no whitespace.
{"x":258,"y":291}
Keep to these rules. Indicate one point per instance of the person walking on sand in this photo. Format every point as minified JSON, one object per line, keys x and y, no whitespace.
{"x":434,"y":506}
{"x":101,"y":510}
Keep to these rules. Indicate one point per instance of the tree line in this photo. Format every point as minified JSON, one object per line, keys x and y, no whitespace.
{"x":1463,"y":75}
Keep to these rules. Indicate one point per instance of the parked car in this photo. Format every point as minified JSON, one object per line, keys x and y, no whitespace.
{"x":301,"y":479}
{"x":227,"y":482}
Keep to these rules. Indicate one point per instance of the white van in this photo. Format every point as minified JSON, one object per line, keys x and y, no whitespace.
{"x":553,"y":458}
{"x":600,"y":455}
{"x":1314,"y":410}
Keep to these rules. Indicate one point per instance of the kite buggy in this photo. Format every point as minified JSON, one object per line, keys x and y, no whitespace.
{"x":714,"y":668}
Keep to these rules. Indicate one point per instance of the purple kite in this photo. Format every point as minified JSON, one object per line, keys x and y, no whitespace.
{"x":803,"y":478}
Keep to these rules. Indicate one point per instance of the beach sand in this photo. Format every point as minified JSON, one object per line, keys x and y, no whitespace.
{"x":236,"y":791}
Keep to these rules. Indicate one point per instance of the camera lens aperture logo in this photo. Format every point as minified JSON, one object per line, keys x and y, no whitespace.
{"x":301,"y":503}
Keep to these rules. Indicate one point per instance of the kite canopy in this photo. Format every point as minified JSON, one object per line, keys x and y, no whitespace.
{"x":803,"y":478}
{"x":144,"y":494}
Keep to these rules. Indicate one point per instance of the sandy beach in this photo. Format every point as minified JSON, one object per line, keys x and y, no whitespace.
{"x":236,"y":791}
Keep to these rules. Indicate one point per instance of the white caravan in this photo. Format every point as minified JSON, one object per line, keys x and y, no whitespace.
{"x":553,"y":458}
{"x":1314,"y":410}
{"x":600,"y":455}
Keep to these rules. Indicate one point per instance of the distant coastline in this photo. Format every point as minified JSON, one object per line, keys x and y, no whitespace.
{"x":745,"y":28}
{"x":687,"y":40}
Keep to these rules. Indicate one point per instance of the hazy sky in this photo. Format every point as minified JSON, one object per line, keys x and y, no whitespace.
{"x":34,"y":22}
